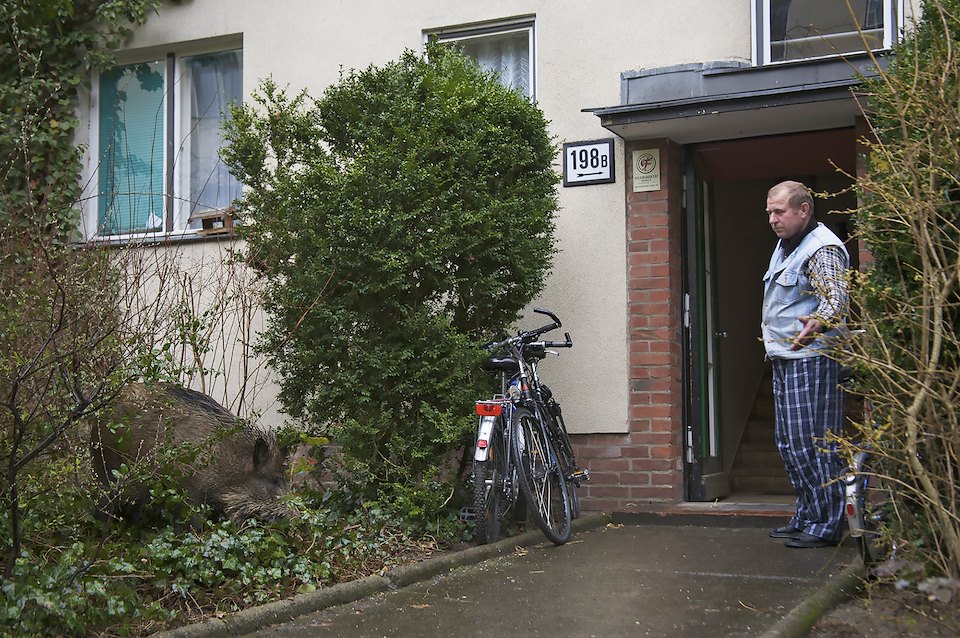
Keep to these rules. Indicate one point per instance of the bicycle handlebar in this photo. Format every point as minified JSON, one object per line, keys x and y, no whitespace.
{"x":531,"y":335}
{"x":556,"y":320}
{"x":560,"y":344}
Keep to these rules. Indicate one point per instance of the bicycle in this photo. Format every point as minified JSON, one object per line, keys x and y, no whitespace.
{"x":867,"y":501}
{"x":522,"y":446}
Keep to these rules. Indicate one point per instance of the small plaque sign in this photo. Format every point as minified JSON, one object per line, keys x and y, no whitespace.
{"x":646,"y":170}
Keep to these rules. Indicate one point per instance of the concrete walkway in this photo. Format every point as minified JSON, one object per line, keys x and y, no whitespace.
{"x":611,"y":579}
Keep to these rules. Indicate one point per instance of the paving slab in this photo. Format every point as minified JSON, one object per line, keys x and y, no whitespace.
{"x":616,"y":580}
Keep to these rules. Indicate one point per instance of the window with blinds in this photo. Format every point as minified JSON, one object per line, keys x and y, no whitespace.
{"x":158,"y":167}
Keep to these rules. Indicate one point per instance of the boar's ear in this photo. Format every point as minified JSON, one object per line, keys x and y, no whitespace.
{"x":261,"y":452}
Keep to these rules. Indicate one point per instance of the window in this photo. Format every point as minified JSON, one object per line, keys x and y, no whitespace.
{"x":155,"y":145}
{"x":506,"y":48}
{"x":802,"y":29}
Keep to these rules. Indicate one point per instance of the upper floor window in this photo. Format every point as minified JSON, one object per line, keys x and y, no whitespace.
{"x":803,"y":29}
{"x":506,"y":48}
{"x":155,"y":142}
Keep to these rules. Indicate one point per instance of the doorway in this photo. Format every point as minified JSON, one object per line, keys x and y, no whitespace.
{"x":729,"y":404}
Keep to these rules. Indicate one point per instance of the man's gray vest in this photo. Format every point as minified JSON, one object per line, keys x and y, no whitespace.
{"x":789,"y":295}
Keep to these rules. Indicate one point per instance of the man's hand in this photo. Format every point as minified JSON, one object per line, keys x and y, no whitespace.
{"x":811,"y":328}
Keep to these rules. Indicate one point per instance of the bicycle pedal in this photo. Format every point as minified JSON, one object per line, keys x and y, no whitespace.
{"x":467,"y":514}
{"x":580,"y":475}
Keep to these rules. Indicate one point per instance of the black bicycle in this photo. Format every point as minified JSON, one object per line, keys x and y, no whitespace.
{"x":522,"y":446}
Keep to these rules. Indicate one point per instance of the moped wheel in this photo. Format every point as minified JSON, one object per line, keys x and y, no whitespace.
{"x":489,"y":500}
{"x":540,"y":476}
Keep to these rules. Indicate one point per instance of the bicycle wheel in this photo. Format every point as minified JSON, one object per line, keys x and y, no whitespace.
{"x":568,"y":462}
{"x":875,"y":503}
{"x":489,"y":501}
{"x":541,"y":479}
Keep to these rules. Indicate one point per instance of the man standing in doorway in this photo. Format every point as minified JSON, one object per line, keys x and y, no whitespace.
{"x":804,"y":306}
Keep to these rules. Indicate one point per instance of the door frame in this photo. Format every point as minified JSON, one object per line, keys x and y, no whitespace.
{"x":705,"y":479}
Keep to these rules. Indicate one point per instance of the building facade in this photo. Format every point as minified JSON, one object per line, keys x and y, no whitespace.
{"x":673,"y":119}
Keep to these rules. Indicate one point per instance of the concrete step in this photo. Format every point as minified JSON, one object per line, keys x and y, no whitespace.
{"x":759,"y":470}
{"x":757,"y":455}
{"x":763,"y":411}
{"x":762,"y":484}
{"x":758,"y":432}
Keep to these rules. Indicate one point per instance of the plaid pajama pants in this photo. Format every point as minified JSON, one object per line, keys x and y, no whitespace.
{"x":809,"y":403}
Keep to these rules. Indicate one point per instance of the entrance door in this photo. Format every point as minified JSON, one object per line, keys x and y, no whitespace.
{"x":706,"y":479}
{"x":728,"y":416}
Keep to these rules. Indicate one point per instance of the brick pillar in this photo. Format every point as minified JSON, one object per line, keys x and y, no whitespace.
{"x":645,"y":465}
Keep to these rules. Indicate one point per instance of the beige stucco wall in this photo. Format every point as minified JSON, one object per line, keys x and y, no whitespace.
{"x":168,"y":286}
{"x":581,"y":48}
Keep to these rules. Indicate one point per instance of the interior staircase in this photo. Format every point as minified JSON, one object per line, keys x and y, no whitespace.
{"x":757,"y":467}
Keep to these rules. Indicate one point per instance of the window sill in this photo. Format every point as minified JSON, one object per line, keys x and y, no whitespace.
{"x":160,"y":239}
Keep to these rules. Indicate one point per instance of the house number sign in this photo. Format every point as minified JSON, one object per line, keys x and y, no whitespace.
{"x":588,"y":163}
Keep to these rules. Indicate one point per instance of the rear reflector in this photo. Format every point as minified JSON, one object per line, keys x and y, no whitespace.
{"x":489,"y":408}
{"x":851,"y":509}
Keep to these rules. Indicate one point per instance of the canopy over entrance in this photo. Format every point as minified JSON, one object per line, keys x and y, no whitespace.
{"x":729,"y":100}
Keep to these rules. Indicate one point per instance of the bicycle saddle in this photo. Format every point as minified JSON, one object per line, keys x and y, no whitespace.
{"x":497,"y":363}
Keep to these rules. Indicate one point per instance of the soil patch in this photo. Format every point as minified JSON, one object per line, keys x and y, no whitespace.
{"x":884,"y":611}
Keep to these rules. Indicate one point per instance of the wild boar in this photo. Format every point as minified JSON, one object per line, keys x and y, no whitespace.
{"x":218,"y":459}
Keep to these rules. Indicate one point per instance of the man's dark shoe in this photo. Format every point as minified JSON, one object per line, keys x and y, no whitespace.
{"x":787,"y":531}
{"x":804,"y":541}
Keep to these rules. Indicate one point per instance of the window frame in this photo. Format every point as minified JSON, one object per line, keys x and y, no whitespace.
{"x":893,"y":23}
{"x":476,"y":31}
{"x":176,"y":148}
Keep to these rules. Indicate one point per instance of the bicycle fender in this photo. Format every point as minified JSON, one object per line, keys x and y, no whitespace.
{"x":483,"y":438}
{"x":851,"y":507}
{"x":852,"y":485}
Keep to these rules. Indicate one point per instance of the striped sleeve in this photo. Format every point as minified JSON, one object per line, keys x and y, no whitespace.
{"x":827,"y":269}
